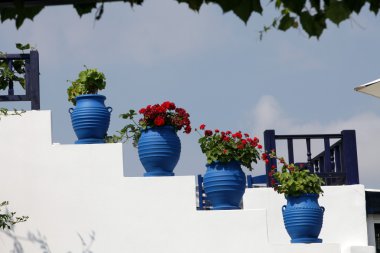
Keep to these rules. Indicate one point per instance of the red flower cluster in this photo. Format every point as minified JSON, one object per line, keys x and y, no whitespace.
{"x":225,"y":146}
{"x":165,"y":114}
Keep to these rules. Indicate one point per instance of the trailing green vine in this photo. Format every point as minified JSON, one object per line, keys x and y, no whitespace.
{"x":6,"y":112}
{"x":17,"y":74}
{"x":8,"y":219}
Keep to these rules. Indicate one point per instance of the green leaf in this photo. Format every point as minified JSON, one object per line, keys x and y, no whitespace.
{"x":256,"y":6}
{"x":244,"y":10}
{"x":7,"y":13}
{"x":31,"y":12}
{"x":133,"y":2}
{"x":193,"y":4}
{"x":316,"y":4}
{"x":337,"y":11}
{"x":84,"y":8}
{"x":295,"y":6}
{"x":374,"y":6}
{"x":226,"y":5}
{"x":286,"y":22}
{"x":19,"y":13}
{"x":278,"y":4}
{"x":313,"y":25}
{"x":22,"y":47}
{"x":355,"y":5}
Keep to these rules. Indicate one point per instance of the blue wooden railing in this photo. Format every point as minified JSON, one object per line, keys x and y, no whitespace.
{"x":32,"y":81}
{"x":337,"y":164}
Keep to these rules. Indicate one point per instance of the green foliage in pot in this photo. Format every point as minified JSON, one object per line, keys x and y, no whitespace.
{"x":89,"y":81}
{"x":17,"y":73}
{"x":293,"y":180}
{"x":8,"y":219}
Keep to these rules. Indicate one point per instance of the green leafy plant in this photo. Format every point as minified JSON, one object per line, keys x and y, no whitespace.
{"x":17,"y":73}
{"x":220,"y":146}
{"x":5,"y":112}
{"x":293,"y":180}
{"x":8,"y":219}
{"x":165,"y":114}
{"x":89,"y":81}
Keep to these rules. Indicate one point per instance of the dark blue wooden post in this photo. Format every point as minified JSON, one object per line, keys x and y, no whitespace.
{"x":308,"y":155}
{"x":338,"y":164}
{"x":327,"y":160}
{"x":11,"y":90}
{"x":249,"y":181}
{"x":290,"y":150}
{"x":200,"y":192}
{"x":34,"y":80}
{"x":269,"y":145}
{"x":350,"y":156}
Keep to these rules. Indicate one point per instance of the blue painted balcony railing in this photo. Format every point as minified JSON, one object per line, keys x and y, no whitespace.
{"x":337,"y":164}
{"x":32,"y":81}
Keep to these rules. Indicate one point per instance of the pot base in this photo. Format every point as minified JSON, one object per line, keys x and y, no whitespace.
{"x":160,"y":173}
{"x":89,"y":141}
{"x":306,"y":240}
{"x":225,"y":207}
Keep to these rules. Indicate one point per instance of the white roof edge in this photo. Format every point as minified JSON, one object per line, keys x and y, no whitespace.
{"x":373,"y":190}
{"x":366,"y":84}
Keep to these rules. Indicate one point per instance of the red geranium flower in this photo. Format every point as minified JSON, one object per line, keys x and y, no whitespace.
{"x":220,"y":146}
{"x":226,"y":138}
{"x":187,"y":129}
{"x":168,"y":105}
{"x":208,"y":133}
{"x":240,"y":146}
{"x":159,"y":121}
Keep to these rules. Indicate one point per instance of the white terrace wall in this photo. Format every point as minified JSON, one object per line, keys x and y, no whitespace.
{"x":78,"y":200}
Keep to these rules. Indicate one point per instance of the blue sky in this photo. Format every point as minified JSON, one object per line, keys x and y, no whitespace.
{"x":214,"y":66}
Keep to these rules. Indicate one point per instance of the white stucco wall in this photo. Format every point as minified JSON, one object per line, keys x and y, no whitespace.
{"x":78,"y":191}
{"x":344,"y":219}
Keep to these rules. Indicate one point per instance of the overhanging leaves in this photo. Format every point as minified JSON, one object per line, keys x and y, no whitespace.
{"x":312,"y":14}
{"x":337,"y":11}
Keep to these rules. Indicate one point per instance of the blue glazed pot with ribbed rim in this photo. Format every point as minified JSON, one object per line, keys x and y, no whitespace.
{"x":90,"y":118}
{"x":224,"y":185}
{"x":159,"y":150}
{"x":303,"y":218}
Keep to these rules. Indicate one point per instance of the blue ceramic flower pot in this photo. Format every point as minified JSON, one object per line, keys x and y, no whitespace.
{"x":159,"y":149}
{"x":224,"y":185}
{"x":90,"y":118}
{"x":303,"y":218}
